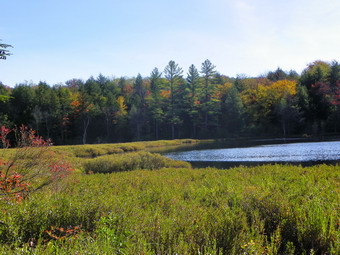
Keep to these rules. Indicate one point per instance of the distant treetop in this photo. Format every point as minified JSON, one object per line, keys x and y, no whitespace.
{"x":3,"y":50}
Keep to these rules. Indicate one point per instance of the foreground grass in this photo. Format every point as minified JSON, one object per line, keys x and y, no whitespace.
{"x":259,"y":210}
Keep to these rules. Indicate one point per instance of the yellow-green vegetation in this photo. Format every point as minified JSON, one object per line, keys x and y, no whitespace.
{"x":95,"y":150}
{"x":258,"y":210}
{"x":79,"y":155}
{"x":130,"y":161}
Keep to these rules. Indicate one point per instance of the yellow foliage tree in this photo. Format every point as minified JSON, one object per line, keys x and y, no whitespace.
{"x":122,"y":108}
{"x":259,"y":100}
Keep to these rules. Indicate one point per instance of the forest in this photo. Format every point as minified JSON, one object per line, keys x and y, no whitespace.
{"x":171,"y":104}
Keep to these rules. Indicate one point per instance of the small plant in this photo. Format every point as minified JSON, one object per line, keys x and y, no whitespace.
{"x":109,"y":229}
{"x":13,"y":187}
{"x":60,"y":233}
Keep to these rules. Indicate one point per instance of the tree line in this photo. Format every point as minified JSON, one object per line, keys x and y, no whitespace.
{"x":169,"y":104}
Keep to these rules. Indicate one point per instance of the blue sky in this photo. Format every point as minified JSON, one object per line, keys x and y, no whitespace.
{"x":55,"y":41}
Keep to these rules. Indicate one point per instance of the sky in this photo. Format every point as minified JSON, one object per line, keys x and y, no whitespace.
{"x":55,"y":41}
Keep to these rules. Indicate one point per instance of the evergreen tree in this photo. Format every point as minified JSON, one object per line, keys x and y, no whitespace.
{"x":63,"y":113}
{"x":155,"y":81}
{"x":277,"y":75}
{"x":137,"y":113}
{"x":22,"y":104}
{"x":4,"y":52}
{"x":232,"y":112}
{"x":173,"y":74}
{"x":208,"y":71}
{"x":5,"y":96}
{"x":155,"y":100}
{"x":193,"y":83}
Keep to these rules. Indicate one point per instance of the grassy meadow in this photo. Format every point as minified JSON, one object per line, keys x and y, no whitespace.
{"x":123,"y":199}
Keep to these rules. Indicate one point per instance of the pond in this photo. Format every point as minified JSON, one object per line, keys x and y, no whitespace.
{"x":304,"y":153}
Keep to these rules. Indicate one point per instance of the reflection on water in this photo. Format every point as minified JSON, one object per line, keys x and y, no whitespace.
{"x":278,"y":153}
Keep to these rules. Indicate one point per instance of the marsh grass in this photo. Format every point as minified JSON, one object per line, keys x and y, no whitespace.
{"x":95,"y":150}
{"x":258,"y":210}
{"x":130,"y":161}
{"x":79,"y":155}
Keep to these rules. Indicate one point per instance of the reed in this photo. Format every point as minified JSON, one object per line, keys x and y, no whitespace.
{"x":270,"y":209}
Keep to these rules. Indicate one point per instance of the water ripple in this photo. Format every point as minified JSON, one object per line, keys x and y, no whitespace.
{"x":294,"y":152}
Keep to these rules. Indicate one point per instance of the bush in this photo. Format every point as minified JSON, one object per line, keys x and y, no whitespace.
{"x":131,"y":161}
{"x":30,"y":166}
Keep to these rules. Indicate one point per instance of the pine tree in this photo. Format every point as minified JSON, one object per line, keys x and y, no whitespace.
{"x":137,"y":112}
{"x":4,"y":52}
{"x":207,"y":69}
{"x":155,"y":100}
{"x":193,"y":80}
{"x":173,"y":73}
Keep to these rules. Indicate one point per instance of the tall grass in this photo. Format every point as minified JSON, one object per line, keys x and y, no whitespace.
{"x":95,"y":150}
{"x":259,"y":210}
{"x":130,"y":161}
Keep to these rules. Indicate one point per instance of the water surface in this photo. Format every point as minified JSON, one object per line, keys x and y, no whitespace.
{"x":306,"y":152}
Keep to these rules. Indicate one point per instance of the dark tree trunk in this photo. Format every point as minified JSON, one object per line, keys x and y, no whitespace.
{"x":86,"y":125}
{"x":172,"y":131}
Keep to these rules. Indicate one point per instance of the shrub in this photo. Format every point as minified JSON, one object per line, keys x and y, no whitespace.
{"x":29,"y":167}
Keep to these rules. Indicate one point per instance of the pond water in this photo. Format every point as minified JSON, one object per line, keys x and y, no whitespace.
{"x":305,"y":153}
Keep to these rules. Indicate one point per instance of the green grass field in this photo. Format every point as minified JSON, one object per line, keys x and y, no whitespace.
{"x":173,"y":209}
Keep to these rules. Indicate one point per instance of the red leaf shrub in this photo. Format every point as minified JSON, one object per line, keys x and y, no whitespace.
{"x":32,"y":166}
